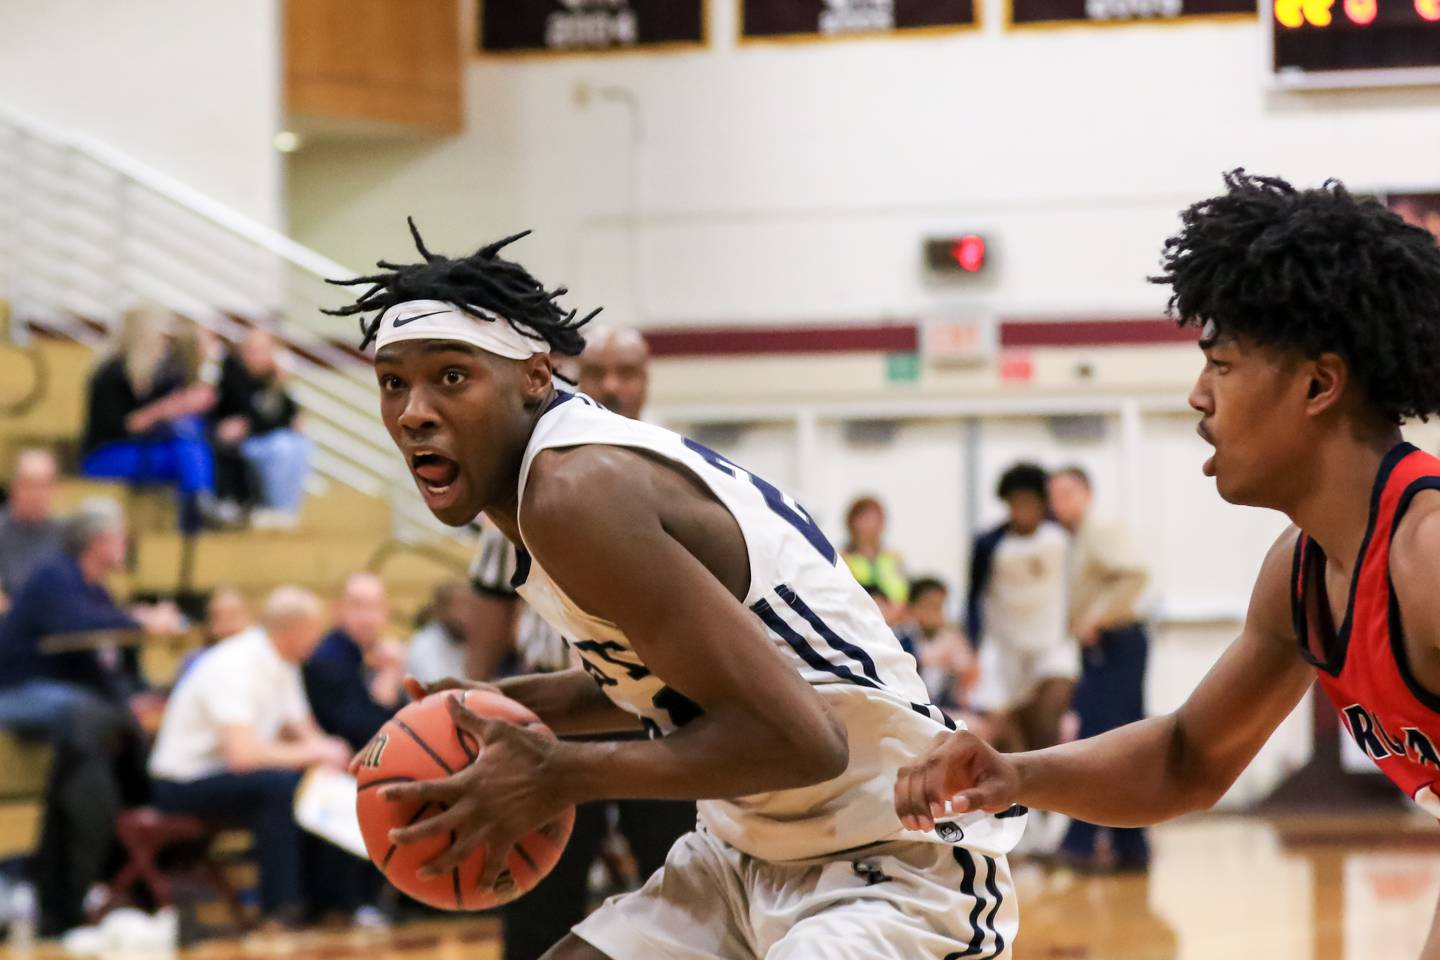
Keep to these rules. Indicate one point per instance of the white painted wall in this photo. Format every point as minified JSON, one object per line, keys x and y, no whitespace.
{"x":190,"y":88}
{"x":795,"y":181}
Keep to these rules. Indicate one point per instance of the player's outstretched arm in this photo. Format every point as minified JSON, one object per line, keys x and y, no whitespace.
{"x":1147,"y":771}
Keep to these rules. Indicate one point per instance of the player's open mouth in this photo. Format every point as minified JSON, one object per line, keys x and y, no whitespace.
{"x":1208,"y":467}
{"x":435,"y":471}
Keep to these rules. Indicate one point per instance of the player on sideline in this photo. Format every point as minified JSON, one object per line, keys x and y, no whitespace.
{"x":708,"y":607}
{"x":1320,"y":318}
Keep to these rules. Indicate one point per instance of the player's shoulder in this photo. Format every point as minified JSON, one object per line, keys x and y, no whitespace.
{"x":1270,"y":601}
{"x":1415,"y":554}
{"x":572,"y":487}
{"x":1417,"y":535}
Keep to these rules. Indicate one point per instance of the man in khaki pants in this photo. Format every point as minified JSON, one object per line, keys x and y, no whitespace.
{"x":1107,"y":579}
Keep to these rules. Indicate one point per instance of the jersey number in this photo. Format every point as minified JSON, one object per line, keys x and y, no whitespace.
{"x":775,"y":498}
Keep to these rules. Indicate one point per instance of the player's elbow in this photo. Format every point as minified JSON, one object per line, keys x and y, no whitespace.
{"x":834,"y":758}
{"x":823,"y":753}
{"x":1198,"y":779}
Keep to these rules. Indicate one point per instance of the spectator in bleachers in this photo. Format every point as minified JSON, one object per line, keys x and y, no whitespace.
{"x":615,"y":370}
{"x":1028,"y":661}
{"x":865,"y":553}
{"x":947,"y":661}
{"x":29,"y":532}
{"x":236,"y":737}
{"x":75,"y":700}
{"x":255,"y":416}
{"x":355,"y":679}
{"x":1107,"y":579}
{"x":144,"y":423}
{"x":226,"y":614}
{"x":438,"y":648}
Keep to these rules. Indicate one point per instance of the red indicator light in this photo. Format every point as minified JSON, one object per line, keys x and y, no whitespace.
{"x":968,"y":252}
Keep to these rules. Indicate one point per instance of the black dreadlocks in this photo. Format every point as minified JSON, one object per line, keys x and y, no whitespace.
{"x":481,"y":281}
{"x":1315,"y":271}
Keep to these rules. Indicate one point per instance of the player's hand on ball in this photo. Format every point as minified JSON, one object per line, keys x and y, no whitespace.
{"x":419,"y":691}
{"x":498,"y":798}
{"x":959,"y":768}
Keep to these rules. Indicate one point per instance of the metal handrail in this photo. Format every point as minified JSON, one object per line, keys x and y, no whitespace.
{"x":80,"y":243}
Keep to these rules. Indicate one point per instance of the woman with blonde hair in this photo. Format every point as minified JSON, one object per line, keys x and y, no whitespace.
{"x":143,"y":423}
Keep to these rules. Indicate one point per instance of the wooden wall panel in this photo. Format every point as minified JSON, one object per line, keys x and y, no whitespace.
{"x":387,"y":62}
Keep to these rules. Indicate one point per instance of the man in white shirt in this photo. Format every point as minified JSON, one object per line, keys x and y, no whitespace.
{"x":236,"y":737}
{"x":1028,"y":660}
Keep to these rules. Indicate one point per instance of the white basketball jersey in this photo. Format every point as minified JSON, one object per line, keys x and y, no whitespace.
{"x":816,"y":615}
{"x":1025,"y":602}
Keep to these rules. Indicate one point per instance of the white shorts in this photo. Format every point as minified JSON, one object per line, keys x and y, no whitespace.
{"x":712,"y":902}
{"x":1009,"y":677}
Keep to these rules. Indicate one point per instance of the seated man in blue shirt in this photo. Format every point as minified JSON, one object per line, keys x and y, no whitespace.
{"x":73,"y":700}
{"x":355,"y":679}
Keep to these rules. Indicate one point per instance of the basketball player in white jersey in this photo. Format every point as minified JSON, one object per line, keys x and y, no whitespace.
{"x":708,"y":608}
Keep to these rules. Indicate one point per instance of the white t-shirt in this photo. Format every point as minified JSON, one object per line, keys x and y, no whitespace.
{"x":242,"y":681}
{"x":1025,"y":601}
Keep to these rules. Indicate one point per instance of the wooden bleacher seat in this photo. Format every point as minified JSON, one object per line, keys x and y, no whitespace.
{"x":24,"y":773}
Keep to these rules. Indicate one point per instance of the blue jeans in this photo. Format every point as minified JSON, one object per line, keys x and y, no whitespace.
{"x":87,"y":733}
{"x":1110,"y":694}
{"x":292,"y":862}
{"x":281,"y":459}
{"x":182,"y":460}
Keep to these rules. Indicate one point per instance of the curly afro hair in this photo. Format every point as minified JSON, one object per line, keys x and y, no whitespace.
{"x":1315,"y":271}
{"x":1024,"y":478}
{"x":483,"y":280}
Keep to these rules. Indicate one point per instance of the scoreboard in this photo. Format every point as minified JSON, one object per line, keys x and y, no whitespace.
{"x":1355,"y":42}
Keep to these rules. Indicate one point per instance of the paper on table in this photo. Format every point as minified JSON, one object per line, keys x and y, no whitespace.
{"x":325,"y":806}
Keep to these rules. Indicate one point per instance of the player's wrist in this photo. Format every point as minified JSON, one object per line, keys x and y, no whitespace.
{"x":1025,"y":777}
{"x":576,"y":770}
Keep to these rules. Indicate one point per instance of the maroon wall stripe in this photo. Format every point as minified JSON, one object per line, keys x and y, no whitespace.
{"x":819,"y":338}
{"x":904,"y":337}
{"x":1093,"y":333}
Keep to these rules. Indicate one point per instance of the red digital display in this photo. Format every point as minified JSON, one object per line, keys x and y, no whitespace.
{"x":1336,"y":37}
{"x":965,"y":253}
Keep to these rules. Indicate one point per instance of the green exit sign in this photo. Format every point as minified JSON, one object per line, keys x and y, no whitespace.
{"x":902,"y":367}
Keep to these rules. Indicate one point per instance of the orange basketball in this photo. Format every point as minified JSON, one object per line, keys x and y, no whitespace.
{"x":421,"y":742}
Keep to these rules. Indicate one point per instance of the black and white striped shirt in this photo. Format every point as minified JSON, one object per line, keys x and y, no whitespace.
{"x":539,"y":646}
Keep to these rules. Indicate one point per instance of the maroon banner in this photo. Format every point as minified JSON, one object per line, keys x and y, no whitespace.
{"x":768,"y":19}
{"x":1062,"y":12}
{"x":561,"y":26}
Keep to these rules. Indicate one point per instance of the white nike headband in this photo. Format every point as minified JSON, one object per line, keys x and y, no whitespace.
{"x":439,"y":320}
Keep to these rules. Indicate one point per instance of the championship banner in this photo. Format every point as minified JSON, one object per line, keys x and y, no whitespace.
{"x":561,"y":26}
{"x":784,"y":19}
{"x":1028,"y":13}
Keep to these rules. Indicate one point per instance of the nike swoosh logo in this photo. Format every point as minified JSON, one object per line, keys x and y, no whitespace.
{"x":419,"y":316}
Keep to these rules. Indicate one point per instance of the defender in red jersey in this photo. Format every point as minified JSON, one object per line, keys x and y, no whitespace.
{"x":1320,"y":317}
